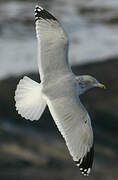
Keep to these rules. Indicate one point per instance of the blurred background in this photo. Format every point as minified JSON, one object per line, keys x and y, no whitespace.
{"x":36,"y":150}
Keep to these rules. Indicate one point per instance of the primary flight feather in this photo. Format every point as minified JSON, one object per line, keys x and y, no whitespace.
{"x":59,"y":90}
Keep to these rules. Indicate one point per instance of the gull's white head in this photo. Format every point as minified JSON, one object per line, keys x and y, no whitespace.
{"x":87,"y":82}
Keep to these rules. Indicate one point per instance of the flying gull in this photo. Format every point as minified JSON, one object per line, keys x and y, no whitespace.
{"x":59,"y":90}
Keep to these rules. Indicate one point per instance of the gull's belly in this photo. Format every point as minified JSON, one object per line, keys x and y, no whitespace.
{"x":59,"y":87}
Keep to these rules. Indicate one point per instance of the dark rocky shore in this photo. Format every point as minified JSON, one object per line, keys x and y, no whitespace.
{"x":36,"y":150}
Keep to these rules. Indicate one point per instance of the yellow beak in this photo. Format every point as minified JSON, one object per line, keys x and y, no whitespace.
{"x":101,"y":86}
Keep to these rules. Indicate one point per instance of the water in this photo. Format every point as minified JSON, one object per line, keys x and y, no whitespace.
{"x":91,"y":25}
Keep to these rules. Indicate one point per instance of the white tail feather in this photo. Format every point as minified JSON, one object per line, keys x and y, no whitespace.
{"x":29,"y":101}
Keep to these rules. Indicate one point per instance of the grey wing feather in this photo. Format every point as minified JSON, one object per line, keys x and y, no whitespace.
{"x":52,"y":44}
{"x":74,"y":124}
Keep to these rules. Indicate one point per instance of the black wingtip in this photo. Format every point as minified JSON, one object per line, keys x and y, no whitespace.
{"x":41,"y":13}
{"x":85,"y":164}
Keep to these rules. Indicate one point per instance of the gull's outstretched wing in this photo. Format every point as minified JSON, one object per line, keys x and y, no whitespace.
{"x":74,"y":124}
{"x":52,"y":44}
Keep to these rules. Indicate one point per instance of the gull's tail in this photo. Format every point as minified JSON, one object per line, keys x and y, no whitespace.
{"x":29,"y":101}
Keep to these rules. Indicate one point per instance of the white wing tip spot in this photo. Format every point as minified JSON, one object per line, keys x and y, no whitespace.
{"x":85,"y":172}
{"x":89,"y":170}
{"x":36,"y":18}
{"x":39,"y":8}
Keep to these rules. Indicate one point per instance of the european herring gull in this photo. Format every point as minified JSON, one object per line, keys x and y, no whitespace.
{"x":59,"y":90}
